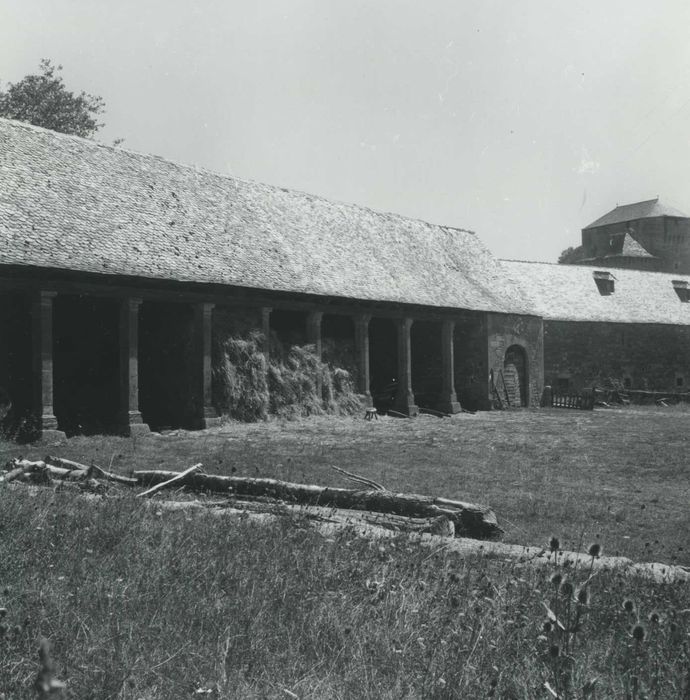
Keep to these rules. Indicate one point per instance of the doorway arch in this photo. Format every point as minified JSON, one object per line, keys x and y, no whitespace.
{"x":515,"y":375}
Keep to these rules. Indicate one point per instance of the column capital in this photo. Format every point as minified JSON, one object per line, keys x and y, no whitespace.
{"x":46,"y":296}
{"x":206,"y":307}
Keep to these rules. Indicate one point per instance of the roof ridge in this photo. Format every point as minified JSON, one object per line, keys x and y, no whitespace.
{"x":600,"y":267}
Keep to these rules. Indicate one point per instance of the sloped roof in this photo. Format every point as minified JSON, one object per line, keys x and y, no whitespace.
{"x":569,"y":293}
{"x":639,"y":210}
{"x":632,"y":248}
{"x":623,"y":245}
{"x":73,"y":204}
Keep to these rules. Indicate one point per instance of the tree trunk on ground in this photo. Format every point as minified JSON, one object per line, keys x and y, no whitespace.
{"x":469,"y":519}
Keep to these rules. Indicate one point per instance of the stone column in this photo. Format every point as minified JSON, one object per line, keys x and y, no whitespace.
{"x":449,"y":400}
{"x":266,"y":329}
{"x":362,"y":355}
{"x":130,"y":417}
{"x":42,"y":360}
{"x":203,"y":327}
{"x":314,"y":338}
{"x":404,"y":400}
{"x":314,"y":330}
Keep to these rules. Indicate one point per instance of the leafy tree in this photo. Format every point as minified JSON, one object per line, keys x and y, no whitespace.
{"x":43,"y":100}
{"x":571,"y":255}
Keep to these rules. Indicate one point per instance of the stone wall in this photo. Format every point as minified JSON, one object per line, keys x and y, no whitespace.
{"x":471,"y":361}
{"x":638,"y":356}
{"x":666,"y":237}
{"x":505,"y":331}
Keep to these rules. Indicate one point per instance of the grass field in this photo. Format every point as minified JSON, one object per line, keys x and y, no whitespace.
{"x":619,"y":475}
{"x":144,"y":604}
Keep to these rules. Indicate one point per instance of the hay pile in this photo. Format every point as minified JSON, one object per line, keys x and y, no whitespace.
{"x":293,"y":384}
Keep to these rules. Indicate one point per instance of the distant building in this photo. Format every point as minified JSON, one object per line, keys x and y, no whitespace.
{"x":610,"y":326}
{"x":649,"y":235}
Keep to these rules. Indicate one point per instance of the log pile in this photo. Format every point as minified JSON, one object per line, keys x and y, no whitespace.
{"x":372,"y":504}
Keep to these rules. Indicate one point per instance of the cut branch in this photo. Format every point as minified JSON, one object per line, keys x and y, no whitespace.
{"x":178,"y":477}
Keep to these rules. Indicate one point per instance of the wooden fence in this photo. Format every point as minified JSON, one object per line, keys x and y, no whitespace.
{"x":583,"y":402}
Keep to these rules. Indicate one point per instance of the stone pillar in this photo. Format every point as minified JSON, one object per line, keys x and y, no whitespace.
{"x":314,"y":338}
{"x":266,"y":329}
{"x":314,"y":330}
{"x":203,"y":328}
{"x":130,"y":416}
{"x":404,"y":400}
{"x":42,"y":360}
{"x":362,"y":355}
{"x":449,"y":400}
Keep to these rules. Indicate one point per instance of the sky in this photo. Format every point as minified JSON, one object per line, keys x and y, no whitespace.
{"x":523,"y":121}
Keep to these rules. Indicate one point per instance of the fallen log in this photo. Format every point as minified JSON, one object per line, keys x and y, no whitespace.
{"x":93,"y":470}
{"x":469,"y":519}
{"x":522,"y":555}
{"x":27,"y":467}
{"x":441,"y":526}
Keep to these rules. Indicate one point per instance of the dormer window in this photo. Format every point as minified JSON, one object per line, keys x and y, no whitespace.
{"x":682,"y":289}
{"x":604,"y":281}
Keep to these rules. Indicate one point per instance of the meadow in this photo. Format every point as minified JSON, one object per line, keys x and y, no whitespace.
{"x":144,"y":603}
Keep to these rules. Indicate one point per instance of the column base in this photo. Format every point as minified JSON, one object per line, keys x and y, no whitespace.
{"x":52,"y":436}
{"x":451,"y":407}
{"x":137,"y":429}
{"x":210,"y":419}
{"x":133,"y":424}
{"x":409,"y":409}
{"x":365,"y":400}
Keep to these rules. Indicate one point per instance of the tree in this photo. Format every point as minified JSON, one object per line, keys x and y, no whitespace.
{"x":43,"y":100}
{"x":571,"y":255}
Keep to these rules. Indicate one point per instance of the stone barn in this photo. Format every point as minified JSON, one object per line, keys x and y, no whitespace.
{"x":630,"y":328}
{"x":118,"y":270}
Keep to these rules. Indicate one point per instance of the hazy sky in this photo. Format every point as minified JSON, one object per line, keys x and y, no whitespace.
{"x":522,"y":120}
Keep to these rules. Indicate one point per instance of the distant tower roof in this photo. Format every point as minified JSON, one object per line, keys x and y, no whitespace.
{"x":639,"y":210}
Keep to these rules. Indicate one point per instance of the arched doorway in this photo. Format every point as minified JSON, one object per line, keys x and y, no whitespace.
{"x":515,"y":375}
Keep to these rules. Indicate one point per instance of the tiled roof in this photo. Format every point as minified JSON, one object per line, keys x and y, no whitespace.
{"x":70,"y":203}
{"x":569,"y":293}
{"x":623,"y":245}
{"x":639,"y":210}
{"x":632,"y":249}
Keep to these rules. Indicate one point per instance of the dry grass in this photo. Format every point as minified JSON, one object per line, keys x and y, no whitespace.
{"x":620,"y":475}
{"x":142,"y":604}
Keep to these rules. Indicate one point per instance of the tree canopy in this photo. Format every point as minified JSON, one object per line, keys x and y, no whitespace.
{"x":43,"y":100}
{"x":571,"y":255}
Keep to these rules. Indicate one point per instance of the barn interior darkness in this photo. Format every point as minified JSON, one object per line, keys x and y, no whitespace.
{"x":288,"y":328}
{"x":168,"y":397}
{"x":15,"y":358}
{"x":471,"y":360}
{"x":426,"y":363}
{"x":85,"y":364}
{"x":383,"y":362}
{"x":338,"y":341}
